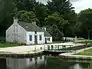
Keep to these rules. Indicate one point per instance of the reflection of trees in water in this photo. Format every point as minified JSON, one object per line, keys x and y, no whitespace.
{"x":2,"y":64}
{"x":90,"y":65}
{"x":47,"y":62}
{"x":84,"y":65}
{"x":55,"y":63}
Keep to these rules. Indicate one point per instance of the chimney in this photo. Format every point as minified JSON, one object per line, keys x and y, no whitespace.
{"x":15,"y":20}
{"x":44,"y":28}
{"x":34,"y":23}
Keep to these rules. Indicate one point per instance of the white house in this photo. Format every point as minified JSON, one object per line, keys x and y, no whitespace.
{"x":27,"y":33}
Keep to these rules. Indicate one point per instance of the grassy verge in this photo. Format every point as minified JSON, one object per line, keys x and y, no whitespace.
{"x":86,"y":52}
{"x":86,"y":42}
{"x":9,"y":45}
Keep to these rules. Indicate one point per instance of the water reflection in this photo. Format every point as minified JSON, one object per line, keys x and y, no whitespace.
{"x":43,"y":62}
{"x":23,"y":63}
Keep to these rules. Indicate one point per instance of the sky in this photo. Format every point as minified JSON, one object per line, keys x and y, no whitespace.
{"x":78,"y":4}
{"x":81,"y":4}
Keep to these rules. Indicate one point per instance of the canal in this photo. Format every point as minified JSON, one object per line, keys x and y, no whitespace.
{"x":44,"y":62}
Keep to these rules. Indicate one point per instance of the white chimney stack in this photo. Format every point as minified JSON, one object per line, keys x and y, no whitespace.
{"x":15,"y":20}
{"x":34,"y":23}
{"x":44,"y":28}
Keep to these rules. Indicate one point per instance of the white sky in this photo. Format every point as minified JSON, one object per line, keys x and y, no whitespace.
{"x":78,"y":4}
{"x":81,"y":4}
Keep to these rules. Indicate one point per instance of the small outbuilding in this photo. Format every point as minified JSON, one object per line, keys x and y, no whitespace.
{"x":27,"y":33}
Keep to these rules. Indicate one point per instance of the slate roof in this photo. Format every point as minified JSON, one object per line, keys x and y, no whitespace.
{"x":33,"y":27}
{"x":30,"y":27}
{"x":46,"y":34}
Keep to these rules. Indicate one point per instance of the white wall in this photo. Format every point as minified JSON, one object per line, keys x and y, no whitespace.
{"x":49,"y":41}
{"x":33,"y":37}
{"x":9,"y":33}
{"x":15,"y":33}
{"x":38,"y":38}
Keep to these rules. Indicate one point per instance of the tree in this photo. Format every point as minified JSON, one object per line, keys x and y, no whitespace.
{"x":62,"y":6}
{"x":55,"y":32}
{"x":28,"y":5}
{"x":41,"y":13}
{"x":56,"y":19}
{"x":7,"y":10}
{"x":26,"y":16}
{"x":85,"y":17}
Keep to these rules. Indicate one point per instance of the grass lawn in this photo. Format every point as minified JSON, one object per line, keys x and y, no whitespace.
{"x":86,"y":52}
{"x":86,"y":42}
{"x":9,"y":45}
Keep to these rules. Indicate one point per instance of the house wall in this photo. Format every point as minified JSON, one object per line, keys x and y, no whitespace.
{"x":9,"y":33}
{"x":38,"y":38}
{"x":28,"y":38}
{"x":15,"y":33}
{"x":48,"y":41}
{"x":33,"y":37}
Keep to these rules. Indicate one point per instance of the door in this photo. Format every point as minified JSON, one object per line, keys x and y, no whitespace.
{"x":35,"y":39}
{"x":45,"y":40}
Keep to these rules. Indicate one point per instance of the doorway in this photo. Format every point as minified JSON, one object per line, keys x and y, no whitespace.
{"x":35,"y":39}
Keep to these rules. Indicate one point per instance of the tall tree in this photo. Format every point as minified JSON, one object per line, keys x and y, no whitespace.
{"x":26,"y":16}
{"x":62,"y":6}
{"x":28,"y":5}
{"x":85,"y":17}
{"x":41,"y":13}
{"x":55,"y":32}
{"x":56,"y":19}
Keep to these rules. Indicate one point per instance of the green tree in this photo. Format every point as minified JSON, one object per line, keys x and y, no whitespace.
{"x":56,"y":19}
{"x":85,"y":18}
{"x":62,"y":6}
{"x":28,"y":5}
{"x":26,"y":16}
{"x":7,"y":10}
{"x":55,"y":32}
{"x":41,"y":13}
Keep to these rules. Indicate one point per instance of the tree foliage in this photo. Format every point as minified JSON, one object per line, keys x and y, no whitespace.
{"x":55,"y":32}
{"x":58,"y":16}
{"x":85,"y":18}
{"x":26,"y":16}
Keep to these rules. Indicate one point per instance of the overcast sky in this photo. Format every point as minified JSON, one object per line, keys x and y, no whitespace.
{"x":78,"y":4}
{"x":81,"y":4}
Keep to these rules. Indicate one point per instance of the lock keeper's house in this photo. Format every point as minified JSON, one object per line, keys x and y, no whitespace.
{"x":27,"y":33}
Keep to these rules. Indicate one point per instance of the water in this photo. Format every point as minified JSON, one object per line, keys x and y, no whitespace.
{"x":43,"y":62}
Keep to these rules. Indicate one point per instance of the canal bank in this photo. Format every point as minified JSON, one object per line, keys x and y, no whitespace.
{"x":66,"y":49}
{"x":73,"y":55}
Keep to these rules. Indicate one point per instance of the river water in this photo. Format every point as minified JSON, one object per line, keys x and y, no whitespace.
{"x":44,"y":62}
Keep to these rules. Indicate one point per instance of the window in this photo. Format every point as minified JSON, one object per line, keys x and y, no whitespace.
{"x":48,"y":39}
{"x":30,"y":37}
{"x":40,"y":37}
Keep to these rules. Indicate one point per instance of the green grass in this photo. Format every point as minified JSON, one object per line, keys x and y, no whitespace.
{"x":86,"y":42}
{"x":86,"y":52}
{"x":9,"y":45}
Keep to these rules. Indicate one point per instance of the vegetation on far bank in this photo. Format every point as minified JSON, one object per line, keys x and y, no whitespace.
{"x":2,"y":45}
{"x":86,"y":41}
{"x":57,"y":15}
{"x":86,"y":52}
